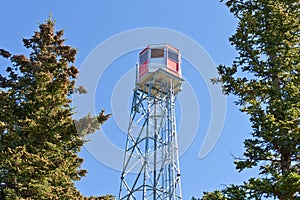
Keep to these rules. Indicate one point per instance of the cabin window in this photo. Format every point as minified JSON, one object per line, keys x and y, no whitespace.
{"x":157,"y":53}
{"x":144,"y":57}
{"x":173,"y":55}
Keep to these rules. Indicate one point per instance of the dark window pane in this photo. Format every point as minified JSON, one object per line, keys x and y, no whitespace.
{"x":144,"y":57}
{"x":157,"y":53}
{"x":173,"y":55}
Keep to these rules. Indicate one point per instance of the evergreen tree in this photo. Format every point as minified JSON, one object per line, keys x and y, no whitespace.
{"x":38,"y":138}
{"x":265,"y":78}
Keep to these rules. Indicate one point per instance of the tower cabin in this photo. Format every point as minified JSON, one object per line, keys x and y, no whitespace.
{"x":159,"y":65}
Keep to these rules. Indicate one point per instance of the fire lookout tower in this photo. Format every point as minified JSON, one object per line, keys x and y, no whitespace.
{"x":151,"y":162}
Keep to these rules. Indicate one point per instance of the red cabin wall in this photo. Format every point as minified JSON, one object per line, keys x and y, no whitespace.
{"x":173,"y":66}
{"x":143,"y":69}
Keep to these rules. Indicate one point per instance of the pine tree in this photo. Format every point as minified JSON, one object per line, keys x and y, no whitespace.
{"x":38,"y":137}
{"x":265,"y":78}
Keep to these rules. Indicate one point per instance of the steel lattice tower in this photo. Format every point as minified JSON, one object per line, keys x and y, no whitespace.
{"x":151,"y":162}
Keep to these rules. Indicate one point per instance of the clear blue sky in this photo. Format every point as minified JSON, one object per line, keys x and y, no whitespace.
{"x":89,"y":23}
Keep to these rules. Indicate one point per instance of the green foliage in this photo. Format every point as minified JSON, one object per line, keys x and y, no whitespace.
{"x":106,"y":197}
{"x":265,"y":78}
{"x":216,"y":195}
{"x":38,"y":138}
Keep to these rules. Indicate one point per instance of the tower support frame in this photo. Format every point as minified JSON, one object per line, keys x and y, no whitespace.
{"x":151,"y":163}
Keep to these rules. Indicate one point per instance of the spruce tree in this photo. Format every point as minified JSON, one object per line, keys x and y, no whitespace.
{"x":39,"y":143}
{"x":265,"y":78}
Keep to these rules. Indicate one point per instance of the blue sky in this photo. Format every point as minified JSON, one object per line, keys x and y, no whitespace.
{"x":90,"y":23}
